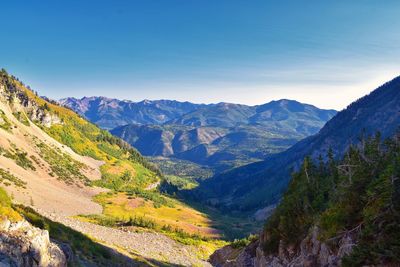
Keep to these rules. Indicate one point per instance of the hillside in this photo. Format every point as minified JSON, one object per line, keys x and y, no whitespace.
{"x":356,"y":198}
{"x":41,"y":139}
{"x":340,"y":213}
{"x":261,"y":184}
{"x":223,"y":136}
{"x":33,"y":162}
{"x":80,"y":176}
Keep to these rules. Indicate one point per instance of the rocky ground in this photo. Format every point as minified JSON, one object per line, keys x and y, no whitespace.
{"x":59,"y":201}
{"x":152,"y":246}
{"x":311,"y":253}
{"x":23,"y":245}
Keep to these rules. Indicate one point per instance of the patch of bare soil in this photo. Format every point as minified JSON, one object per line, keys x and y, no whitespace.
{"x":42,"y":190}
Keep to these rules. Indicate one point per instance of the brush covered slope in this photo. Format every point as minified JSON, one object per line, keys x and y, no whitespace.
{"x":336,"y":213}
{"x":356,"y":198}
{"x":86,"y":180}
{"x":49,"y":153}
{"x":223,"y":136}
{"x":261,"y":184}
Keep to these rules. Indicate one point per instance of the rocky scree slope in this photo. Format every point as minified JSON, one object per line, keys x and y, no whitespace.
{"x":34,"y":167}
{"x":52,"y":159}
{"x":50,"y":145}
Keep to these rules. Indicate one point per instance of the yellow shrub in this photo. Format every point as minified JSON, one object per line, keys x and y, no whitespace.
{"x":10,"y":214}
{"x":6,"y":211}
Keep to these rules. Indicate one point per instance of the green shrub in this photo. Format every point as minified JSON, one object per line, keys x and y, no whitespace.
{"x":20,"y":158}
{"x":21,"y":117}
{"x":63,"y":165}
{"x":4,"y":122}
{"x":157,"y":198}
{"x":6,"y":175}
{"x":240,"y":243}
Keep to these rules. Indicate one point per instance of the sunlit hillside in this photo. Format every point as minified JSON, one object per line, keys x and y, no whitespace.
{"x":53,"y":160}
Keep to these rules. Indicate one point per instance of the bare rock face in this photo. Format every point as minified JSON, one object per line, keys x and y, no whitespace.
{"x":310,"y":253}
{"x":232,"y":257}
{"x":224,"y":256}
{"x":19,"y":101}
{"x":22,"y":244}
{"x":35,"y":112}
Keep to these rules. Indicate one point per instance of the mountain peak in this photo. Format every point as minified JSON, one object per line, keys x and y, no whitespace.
{"x":377,"y":111}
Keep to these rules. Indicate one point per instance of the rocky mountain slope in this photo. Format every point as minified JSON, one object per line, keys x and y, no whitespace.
{"x":311,"y":252}
{"x":261,"y":184}
{"x":22,"y":244}
{"x":47,"y":147}
{"x":222,"y":136}
{"x":32,"y":162}
{"x":55,"y":161}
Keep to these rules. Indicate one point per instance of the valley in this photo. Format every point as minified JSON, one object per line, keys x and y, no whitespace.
{"x":199,"y":133}
{"x":214,"y":137}
{"x":66,"y":175}
{"x":254,"y":189}
{"x":72,"y":172}
{"x":76,"y":174}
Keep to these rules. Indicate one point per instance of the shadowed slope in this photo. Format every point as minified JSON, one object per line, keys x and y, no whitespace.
{"x":261,"y":184}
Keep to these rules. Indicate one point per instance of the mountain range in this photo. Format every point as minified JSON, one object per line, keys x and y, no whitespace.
{"x":261,"y":184}
{"x":219,"y":136}
{"x":340,"y":205}
{"x":66,"y":171}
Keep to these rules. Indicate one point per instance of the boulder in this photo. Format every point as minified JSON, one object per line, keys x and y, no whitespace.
{"x":22,"y":244}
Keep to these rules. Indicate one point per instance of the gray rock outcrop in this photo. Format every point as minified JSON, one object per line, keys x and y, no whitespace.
{"x":310,"y":253}
{"x":23,"y":245}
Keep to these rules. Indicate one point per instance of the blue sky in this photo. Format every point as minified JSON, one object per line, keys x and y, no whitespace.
{"x":326,"y":53}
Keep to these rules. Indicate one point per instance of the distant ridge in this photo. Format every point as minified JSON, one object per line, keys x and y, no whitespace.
{"x":109,"y":113}
{"x":220,"y":136}
{"x":260,"y":184}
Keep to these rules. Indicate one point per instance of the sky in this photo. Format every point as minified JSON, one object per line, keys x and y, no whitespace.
{"x":326,"y":53}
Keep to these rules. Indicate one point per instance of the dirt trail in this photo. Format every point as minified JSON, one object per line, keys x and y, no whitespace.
{"x":148,"y":245}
